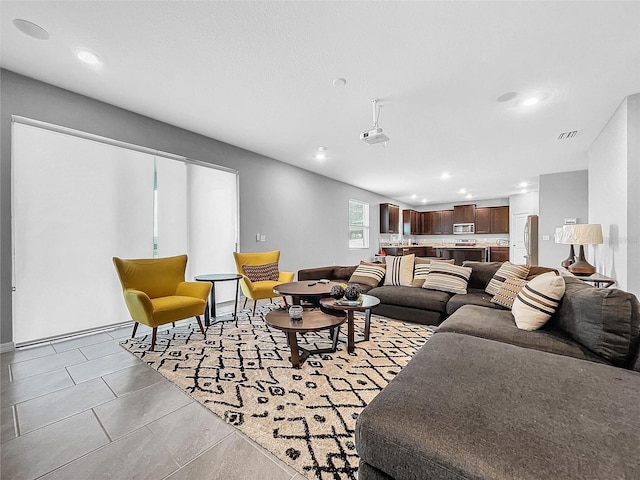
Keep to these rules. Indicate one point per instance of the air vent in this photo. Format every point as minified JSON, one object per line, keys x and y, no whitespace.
{"x":568,"y":135}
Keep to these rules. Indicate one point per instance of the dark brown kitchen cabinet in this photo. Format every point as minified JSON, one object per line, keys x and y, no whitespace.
{"x":498,"y":254}
{"x":464,"y":213}
{"x":425,"y":220}
{"x":446,"y":222}
{"x":492,"y":220}
{"x":389,"y":218}
{"x":411,"y":224}
{"x":483,"y":220}
{"x":436,"y":223}
{"x":499,"y":219}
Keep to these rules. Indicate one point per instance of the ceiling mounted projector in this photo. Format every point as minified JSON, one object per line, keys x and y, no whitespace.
{"x":375,"y":134}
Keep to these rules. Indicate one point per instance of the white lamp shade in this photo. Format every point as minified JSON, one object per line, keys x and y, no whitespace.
{"x":585,"y":234}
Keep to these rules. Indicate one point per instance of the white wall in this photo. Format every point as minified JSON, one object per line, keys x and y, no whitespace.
{"x":614,"y":195}
{"x":562,"y":195}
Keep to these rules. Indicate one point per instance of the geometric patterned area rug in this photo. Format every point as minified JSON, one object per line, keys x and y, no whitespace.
{"x":305,"y":417}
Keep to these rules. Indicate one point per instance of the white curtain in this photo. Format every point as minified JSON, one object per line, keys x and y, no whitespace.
{"x":78,"y":202}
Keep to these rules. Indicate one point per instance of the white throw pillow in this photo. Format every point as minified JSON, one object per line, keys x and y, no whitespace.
{"x":537,"y":301}
{"x":399,"y":269}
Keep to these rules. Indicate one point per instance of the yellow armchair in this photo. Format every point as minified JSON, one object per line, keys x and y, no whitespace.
{"x":262,"y":289}
{"x":156,"y":294}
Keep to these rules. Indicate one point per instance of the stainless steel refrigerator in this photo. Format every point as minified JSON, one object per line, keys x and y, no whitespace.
{"x":531,"y":240}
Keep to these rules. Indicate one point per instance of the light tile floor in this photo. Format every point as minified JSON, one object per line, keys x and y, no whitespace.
{"x":84,"y":408}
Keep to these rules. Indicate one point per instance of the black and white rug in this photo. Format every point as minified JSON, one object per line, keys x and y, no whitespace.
{"x":305,"y":417}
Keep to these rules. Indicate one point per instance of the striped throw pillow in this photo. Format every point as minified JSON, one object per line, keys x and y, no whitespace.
{"x":537,"y":301}
{"x":368,"y":274}
{"x":447,"y":278}
{"x":508,"y":291}
{"x":260,"y":273}
{"x":421,"y":269}
{"x":506,"y":270}
{"x":399,"y":269}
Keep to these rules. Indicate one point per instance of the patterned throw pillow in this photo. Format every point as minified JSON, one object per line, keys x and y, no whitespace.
{"x":368,"y":274}
{"x":421,"y":269}
{"x":506,"y":270}
{"x":260,"y":273}
{"x":508,"y":291}
{"x":399,"y":269}
{"x":447,"y":278}
{"x":537,"y":301}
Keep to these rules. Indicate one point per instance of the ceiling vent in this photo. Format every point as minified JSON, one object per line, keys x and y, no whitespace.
{"x":568,"y":135}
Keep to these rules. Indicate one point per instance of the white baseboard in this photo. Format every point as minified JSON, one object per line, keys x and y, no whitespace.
{"x":7,"y":347}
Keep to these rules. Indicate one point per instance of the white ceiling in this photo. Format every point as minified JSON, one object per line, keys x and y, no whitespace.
{"x":259,"y":75}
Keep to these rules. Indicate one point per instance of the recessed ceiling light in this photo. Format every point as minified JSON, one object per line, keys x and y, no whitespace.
{"x":424,"y":200}
{"x":414,"y":196}
{"x":468,"y":195}
{"x":523,"y":184}
{"x":31,"y":29}
{"x":524,"y":190}
{"x":321,"y":153}
{"x":445,"y":175}
{"x":462,"y":191}
{"x":88,"y":57}
{"x":339,"y":82}
{"x":531,"y":101}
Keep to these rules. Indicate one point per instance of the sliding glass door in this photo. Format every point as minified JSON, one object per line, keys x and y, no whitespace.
{"x":78,"y":201}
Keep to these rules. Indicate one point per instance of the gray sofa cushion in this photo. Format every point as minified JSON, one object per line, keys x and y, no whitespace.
{"x":474,"y":296}
{"x":482,"y":273}
{"x":467,"y":407}
{"x":414,"y":297}
{"x":499,"y":325}
{"x":605,"y":320}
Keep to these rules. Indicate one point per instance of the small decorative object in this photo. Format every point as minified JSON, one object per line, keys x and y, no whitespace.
{"x":352,"y":292}
{"x":337,"y":292}
{"x":295,"y":312}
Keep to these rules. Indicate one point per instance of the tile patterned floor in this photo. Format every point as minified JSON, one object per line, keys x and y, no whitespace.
{"x":85,"y":408}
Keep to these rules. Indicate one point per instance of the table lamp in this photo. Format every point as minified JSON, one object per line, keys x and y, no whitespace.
{"x":585,"y":234}
{"x":561,"y":237}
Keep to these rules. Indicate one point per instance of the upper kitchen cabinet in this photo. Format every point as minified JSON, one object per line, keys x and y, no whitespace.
{"x":492,"y":220}
{"x":389,"y":218}
{"x":464,"y":213}
{"x":483,"y":220}
{"x":446,"y":222}
{"x":411,"y":222}
{"x":499,"y":219}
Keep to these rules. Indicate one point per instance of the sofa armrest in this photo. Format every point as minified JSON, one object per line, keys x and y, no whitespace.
{"x":317,"y":273}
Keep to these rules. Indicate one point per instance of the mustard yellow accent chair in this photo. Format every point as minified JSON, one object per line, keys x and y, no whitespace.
{"x":156,"y":294}
{"x":264,"y":288}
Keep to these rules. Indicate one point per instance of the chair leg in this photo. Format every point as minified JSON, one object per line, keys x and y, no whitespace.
{"x":200,"y":324}
{"x":245,"y":303}
{"x":174,"y":324}
{"x":255,"y":302}
{"x":153,"y":338}
{"x":285,"y":301}
{"x":135,"y":328}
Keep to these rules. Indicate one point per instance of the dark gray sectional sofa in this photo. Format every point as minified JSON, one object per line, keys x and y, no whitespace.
{"x":486,"y":400}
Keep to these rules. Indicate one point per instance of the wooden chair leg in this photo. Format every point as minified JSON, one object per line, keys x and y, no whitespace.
{"x":135,"y":328}
{"x":245,"y":303}
{"x":200,"y":324}
{"x":255,"y":302}
{"x":153,"y":338}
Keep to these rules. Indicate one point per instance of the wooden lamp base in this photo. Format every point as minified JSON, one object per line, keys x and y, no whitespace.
{"x":581,"y":267}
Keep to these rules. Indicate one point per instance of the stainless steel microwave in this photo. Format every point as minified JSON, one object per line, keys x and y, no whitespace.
{"x":463,"y":228}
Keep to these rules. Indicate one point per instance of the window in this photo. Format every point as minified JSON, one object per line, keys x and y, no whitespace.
{"x":358,"y":224}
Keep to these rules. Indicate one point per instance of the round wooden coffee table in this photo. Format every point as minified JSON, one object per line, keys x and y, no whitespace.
{"x":312,"y":321}
{"x":368,"y":302}
{"x":308,"y":288}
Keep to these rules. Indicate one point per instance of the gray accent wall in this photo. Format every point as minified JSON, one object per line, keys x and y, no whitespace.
{"x":614,"y":195}
{"x":561,"y":195}
{"x":303,"y":214}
